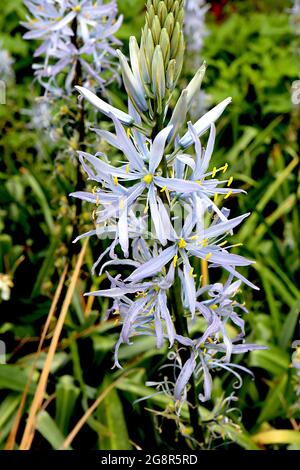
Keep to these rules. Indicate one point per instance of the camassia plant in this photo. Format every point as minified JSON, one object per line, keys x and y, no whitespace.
{"x":77,"y":47}
{"x":161,"y":208}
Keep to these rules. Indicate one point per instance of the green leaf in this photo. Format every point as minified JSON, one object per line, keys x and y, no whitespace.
{"x":7,"y":409}
{"x":66,"y":397}
{"x":273,"y":360}
{"x":289,"y":325}
{"x":111,"y":415}
{"x":275,"y":398}
{"x":15,"y":378}
{"x":49,"y":430}
{"x":277,"y":436}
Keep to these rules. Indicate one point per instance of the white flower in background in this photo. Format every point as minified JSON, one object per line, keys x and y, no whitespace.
{"x":195,"y":33}
{"x":5,"y":286}
{"x":41,"y":115}
{"x":6,"y":64}
{"x":77,"y":42}
{"x":194,"y":26}
{"x":295,"y":16}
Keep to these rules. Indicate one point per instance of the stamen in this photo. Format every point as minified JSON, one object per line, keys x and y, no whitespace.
{"x":182,"y":243}
{"x":148,"y":178}
{"x":116,"y":181}
{"x":208,"y":256}
{"x":228,"y":194}
{"x":163,"y":189}
{"x":230,"y":181}
{"x":214,"y":172}
{"x":224,"y":168}
{"x":175,"y":259}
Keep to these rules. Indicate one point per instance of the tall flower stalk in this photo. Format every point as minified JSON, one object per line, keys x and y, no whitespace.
{"x":161,"y":207}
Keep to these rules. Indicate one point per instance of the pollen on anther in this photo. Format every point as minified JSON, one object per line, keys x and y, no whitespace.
{"x":182,"y":243}
{"x":228,"y":194}
{"x":230,"y":181}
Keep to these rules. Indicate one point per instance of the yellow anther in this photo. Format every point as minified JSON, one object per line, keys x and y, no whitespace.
{"x":216,"y":197}
{"x":116,"y":312}
{"x":204,"y":242}
{"x":194,"y":237}
{"x":146,"y":209}
{"x":94,"y":190}
{"x":64,"y":110}
{"x":175,"y":259}
{"x":122,"y":204}
{"x":228,"y":194}
{"x":116,"y":181}
{"x":199,"y":182}
{"x":129,"y":132}
{"x":214,"y":172}
{"x":141,"y":294}
{"x":148,"y":178}
{"x":182,"y":243}
{"x":77,"y":8}
{"x":191,"y":272}
{"x":127,"y":168}
{"x":209,"y":340}
{"x":208,"y":256}
{"x":163,"y":189}
{"x":225,"y":167}
{"x":230,"y":181}
{"x":59,"y":18}
{"x":237,"y":244}
{"x":223,"y":243}
{"x":214,"y":306}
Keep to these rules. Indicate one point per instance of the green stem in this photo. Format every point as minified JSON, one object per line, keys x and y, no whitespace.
{"x":178,"y":312}
{"x":182,"y":329}
{"x":80,"y":127}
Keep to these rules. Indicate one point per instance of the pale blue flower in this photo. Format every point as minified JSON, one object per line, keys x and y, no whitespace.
{"x":194,"y":25}
{"x":6,"y":64}
{"x":73,"y":32}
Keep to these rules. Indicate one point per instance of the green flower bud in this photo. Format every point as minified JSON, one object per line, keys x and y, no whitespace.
{"x":158,"y":77}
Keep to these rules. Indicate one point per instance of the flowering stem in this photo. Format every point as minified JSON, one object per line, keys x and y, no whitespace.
{"x":80,"y":125}
{"x":182,"y":329}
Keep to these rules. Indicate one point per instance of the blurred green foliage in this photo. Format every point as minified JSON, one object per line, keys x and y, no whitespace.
{"x":251,"y":57}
